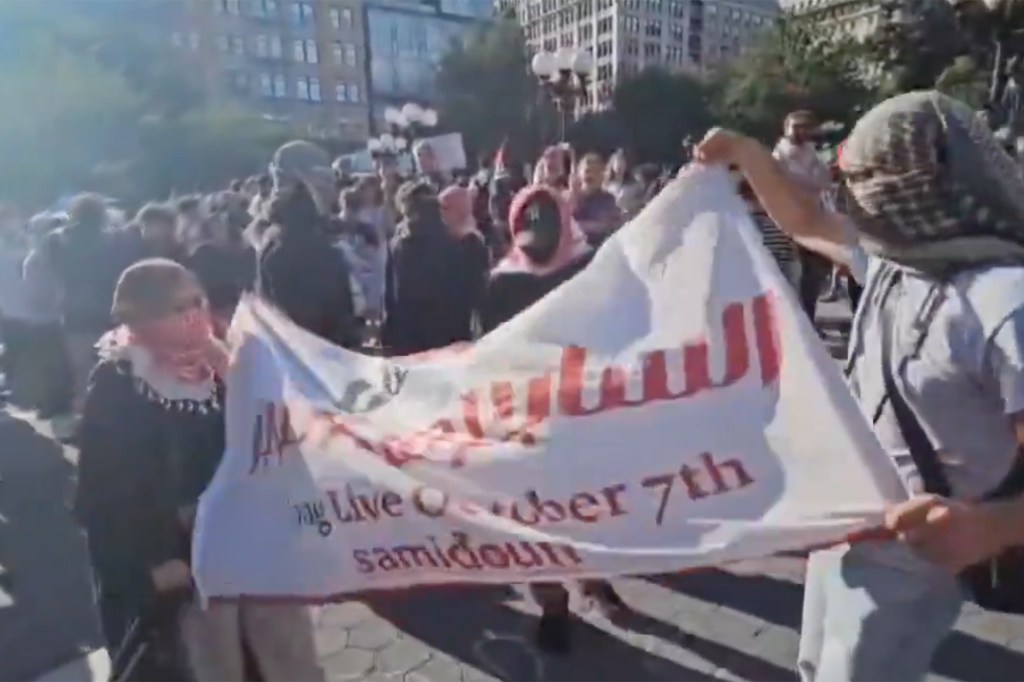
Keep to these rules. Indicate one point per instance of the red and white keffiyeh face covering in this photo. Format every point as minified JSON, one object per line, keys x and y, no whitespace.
{"x":178,"y":343}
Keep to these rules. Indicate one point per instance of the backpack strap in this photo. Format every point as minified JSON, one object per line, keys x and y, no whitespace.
{"x":922,"y":452}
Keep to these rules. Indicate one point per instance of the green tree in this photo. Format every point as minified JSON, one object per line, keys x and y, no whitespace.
{"x":792,"y":69}
{"x":916,"y":42}
{"x":88,"y":105}
{"x":656,"y":109}
{"x":487,"y":92}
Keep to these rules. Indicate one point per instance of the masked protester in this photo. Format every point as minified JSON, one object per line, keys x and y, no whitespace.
{"x":594,"y":209}
{"x":547,"y":250}
{"x":152,"y":435}
{"x":935,"y":211}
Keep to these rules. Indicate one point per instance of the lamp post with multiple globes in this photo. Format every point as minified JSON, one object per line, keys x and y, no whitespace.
{"x":405,"y":126}
{"x":565,"y":75}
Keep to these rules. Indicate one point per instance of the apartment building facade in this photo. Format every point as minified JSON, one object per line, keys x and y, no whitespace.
{"x":327,"y":68}
{"x":300,"y":62}
{"x":626,"y":36}
{"x":405,"y":43}
{"x":857,"y":19}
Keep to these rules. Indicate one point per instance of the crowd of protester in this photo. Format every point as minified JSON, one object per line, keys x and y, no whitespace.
{"x":385,"y":264}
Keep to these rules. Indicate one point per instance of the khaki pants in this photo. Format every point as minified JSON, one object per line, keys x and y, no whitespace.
{"x":280,"y":638}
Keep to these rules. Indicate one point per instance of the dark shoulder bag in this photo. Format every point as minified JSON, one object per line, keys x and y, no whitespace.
{"x":996,"y":584}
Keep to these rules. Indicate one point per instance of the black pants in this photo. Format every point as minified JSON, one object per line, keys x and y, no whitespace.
{"x":814,"y":273}
{"x":36,"y":365}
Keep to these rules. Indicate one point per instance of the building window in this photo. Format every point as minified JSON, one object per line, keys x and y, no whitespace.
{"x":193,"y":40}
{"x":353,"y":92}
{"x":350,"y":54}
{"x":338,"y":53}
{"x":302,"y":13}
{"x":264,"y":8}
{"x":222,"y":43}
{"x":237,"y":45}
{"x":276,"y":48}
{"x":346,"y":16}
{"x":261,"y":46}
{"x":340,"y":92}
{"x":307,"y":88}
{"x":335,"y":15}
{"x":305,"y":51}
{"x":266,"y":85}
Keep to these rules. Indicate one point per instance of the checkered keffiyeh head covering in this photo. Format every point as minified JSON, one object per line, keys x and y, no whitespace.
{"x":930,"y":188}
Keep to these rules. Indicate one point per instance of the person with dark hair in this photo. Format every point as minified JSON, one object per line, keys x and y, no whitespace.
{"x":423,"y":278}
{"x":621,"y":182}
{"x":475,"y":257}
{"x":48,"y":363}
{"x":224,"y":263}
{"x":797,"y":154}
{"x":236,"y":186}
{"x":85,"y":260}
{"x":155,"y":233}
{"x":548,"y":249}
{"x":152,"y":436}
{"x":299,"y":271}
{"x":594,"y":209}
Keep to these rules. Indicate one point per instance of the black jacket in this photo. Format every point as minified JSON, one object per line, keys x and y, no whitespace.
{"x":425,"y":282}
{"x":307,"y":278}
{"x":140,"y":461}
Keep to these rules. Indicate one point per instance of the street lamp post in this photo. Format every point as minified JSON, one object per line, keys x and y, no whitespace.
{"x":405,"y":125}
{"x":565,"y":75}
{"x":410,"y":122}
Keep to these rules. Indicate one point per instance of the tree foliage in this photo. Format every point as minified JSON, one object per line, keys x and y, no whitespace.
{"x":487,"y":92}
{"x":656,"y":109}
{"x":916,"y":42}
{"x":791,"y":69}
{"x":94,"y":105}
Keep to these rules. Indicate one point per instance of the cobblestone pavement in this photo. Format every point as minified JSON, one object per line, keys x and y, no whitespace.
{"x":734,"y":624}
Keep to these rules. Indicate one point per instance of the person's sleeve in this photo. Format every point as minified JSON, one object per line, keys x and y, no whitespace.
{"x":1004,"y":353}
{"x":105,"y":504}
{"x":390,"y":300}
{"x":343,"y":316}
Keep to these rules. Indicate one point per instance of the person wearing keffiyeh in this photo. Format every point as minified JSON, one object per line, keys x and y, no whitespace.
{"x":151,"y":438}
{"x":935,"y":231}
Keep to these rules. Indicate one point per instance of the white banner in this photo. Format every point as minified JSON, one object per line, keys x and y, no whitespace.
{"x":670,"y":407}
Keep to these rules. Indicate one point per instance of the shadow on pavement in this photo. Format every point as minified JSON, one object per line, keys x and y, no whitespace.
{"x":962,"y":656}
{"x":48,"y":618}
{"x":474,"y":626}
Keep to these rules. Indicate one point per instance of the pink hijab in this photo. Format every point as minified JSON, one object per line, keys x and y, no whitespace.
{"x":571,"y":247}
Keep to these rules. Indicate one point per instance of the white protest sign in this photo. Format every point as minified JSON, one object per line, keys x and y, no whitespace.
{"x":669,"y":407}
